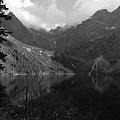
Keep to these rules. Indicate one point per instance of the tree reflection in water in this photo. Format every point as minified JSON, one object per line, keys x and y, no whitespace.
{"x":62,"y":98}
{"x":24,"y":89}
{"x":101,"y":83}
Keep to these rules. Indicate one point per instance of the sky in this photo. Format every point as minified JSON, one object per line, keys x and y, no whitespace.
{"x":49,"y":14}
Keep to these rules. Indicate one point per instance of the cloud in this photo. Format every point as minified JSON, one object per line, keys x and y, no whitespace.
{"x":34,"y":13}
{"x":83,"y":9}
{"x":78,"y":3}
{"x":96,"y":4}
{"x":48,"y":14}
{"x":16,"y":4}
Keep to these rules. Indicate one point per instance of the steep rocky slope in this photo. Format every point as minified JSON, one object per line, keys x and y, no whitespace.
{"x":19,"y":58}
{"x":25,"y":35}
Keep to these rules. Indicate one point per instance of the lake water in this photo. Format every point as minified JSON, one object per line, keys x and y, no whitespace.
{"x":60,"y":97}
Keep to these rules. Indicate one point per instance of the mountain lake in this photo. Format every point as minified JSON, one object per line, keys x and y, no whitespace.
{"x":80,"y":97}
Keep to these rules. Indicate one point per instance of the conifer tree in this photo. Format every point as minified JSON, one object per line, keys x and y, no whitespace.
{"x":3,"y":10}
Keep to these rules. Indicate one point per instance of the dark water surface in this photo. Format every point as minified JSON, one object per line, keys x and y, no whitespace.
{"x":59,"y":98}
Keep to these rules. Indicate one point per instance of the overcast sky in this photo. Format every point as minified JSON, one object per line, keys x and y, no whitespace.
{"x":51,"y":13}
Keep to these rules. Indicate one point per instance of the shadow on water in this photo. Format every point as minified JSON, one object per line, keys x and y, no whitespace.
{"x":60,"y":97}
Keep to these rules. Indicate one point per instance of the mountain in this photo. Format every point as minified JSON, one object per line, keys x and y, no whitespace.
{"x":25,"y":35}
{"x":77,"y":40}
{"x":19,"y":58}
{"x":41,"y":38}
{"x":97,"y":36}
{"x":66,"y":39}
{"x":75,"y":37}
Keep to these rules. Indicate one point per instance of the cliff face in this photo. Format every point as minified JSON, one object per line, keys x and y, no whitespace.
{"x":19,"y":58}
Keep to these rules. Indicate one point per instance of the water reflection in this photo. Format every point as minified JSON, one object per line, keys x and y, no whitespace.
{"x":103,"y":83}
{"x":19,"y":88}
{"x":64,"y":98}
{"x":4,"y":98}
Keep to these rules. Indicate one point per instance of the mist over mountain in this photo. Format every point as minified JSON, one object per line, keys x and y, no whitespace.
{"x":26,"y":35}
{"x":95,"y":37}
{"x":67,"y":37}
{"x":98,"y":35}
{"x":99,"y":25}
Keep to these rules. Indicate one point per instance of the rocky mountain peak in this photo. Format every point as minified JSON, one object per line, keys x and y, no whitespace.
{"x":117,"y":11}
{"x":101,"y":13}
{"x":118,"y":8}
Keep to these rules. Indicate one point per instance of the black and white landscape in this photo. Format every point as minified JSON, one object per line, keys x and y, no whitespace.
{"x":66,"y":73}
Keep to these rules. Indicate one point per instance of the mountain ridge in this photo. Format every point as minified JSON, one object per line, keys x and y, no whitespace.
{"x":101,"y":20}
{"x":24,"y":34}
{"x":87,"y":41}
